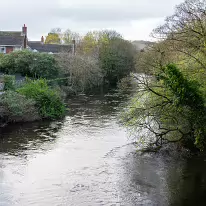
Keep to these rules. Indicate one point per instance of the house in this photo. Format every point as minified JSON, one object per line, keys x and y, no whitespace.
{"x":18,"y":40}
{"x":13,"y":40}
{"x":40,"y":46}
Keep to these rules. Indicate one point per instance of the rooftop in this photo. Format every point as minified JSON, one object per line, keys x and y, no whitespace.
{"x":11,"y":33}
{"x":11,"y":40}
{"x":54,"y":48}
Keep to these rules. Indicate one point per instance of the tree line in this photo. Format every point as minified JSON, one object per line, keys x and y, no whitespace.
{"x":102,"y":60}
{"x":169,"y":105}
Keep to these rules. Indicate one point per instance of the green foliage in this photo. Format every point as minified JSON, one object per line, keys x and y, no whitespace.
{"x":16,"y":107}
{"x":174,"y":98}
{"x":9,"y":82}
{"x":103,"y":54}
{"x":186,"y":92}
{"x":114,"y":54}
{"x":31,"y":64}
{"x":92,"y":41}
{"x":170,"y":108}
{"x":116,"y":59}
{"x":53,"y":38}
{"x":48,"y":101}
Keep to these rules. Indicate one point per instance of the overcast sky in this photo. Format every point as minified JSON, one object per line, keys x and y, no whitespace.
{"x":134,"y":19}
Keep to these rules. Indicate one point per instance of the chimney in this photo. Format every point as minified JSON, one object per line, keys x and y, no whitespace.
{"x":24,"y":30}
{"x":73,"y":47}
{"x":24,"y":34}
{"x":42,"y":40}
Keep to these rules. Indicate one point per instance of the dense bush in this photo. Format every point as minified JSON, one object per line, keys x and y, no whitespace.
{"x":48,"y":101}
{"x":28,"y":63}
{"x":15,"y":107}
{"x":80,"y":73}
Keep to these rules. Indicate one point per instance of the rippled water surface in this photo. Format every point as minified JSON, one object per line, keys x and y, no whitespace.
{"x":87,"y":159}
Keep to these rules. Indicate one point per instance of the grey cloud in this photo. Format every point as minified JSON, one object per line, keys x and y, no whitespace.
{"x":104,"y":14}
{"x":124,"y":11}
{"x":42,"y":15}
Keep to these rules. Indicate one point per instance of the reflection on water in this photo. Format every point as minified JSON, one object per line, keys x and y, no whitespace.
{"x":21,"y":138}
{"x":87,"y":159}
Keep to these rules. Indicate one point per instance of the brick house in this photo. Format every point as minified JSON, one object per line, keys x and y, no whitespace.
{"x":17,"y":40}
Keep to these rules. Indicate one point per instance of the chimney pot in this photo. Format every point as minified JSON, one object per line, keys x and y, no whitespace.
{"x":24,"y":34}
{"x":24,"y":30}
{"x":42,"y":40}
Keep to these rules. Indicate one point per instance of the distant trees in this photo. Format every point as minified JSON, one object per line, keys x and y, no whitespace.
{"x":101,"y":58}
{"x":92,"y":41}
{"x":68,"y":36}
{"x":115,"y":56}
{"x":57,"y":36}
{"x":53,"y":38}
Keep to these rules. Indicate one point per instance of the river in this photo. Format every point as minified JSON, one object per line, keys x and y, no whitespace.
{"x":87,"y":159}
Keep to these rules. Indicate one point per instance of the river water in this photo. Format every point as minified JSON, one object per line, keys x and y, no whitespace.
{"x":87,"y":159}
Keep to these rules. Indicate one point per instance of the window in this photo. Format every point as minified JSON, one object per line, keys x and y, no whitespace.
{"x":3,"y":50}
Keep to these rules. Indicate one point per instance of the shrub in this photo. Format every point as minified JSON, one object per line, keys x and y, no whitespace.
{"x":48,"y":101}
{"x":9,"y":82}
{"x":30,"y":64}
{"x":16,"y":107}
{"x":82,"y":73}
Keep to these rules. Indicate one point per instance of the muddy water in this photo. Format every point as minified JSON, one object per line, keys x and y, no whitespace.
{"x":87,"y":159}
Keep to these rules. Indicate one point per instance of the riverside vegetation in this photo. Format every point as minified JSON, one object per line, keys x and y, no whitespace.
{"x":170,"y":101}
{"x":102,"y":59}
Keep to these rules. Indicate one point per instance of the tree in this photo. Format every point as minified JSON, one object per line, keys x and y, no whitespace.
{"x":185,"y":31}
{"x":89,"y":44}
{"x":53,"y":38}
{"x":92,"y":41}
{"x":57,"y":36}
{"x":69,"y":36}
{"x":116,"y":57}
{"x":80,"y":73}
{"x":168,"y":108}
{"x":170,"y":103}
